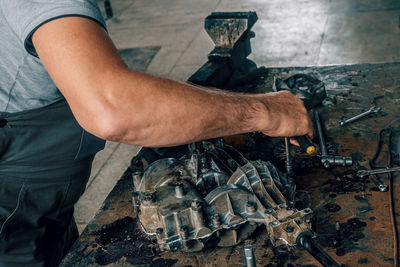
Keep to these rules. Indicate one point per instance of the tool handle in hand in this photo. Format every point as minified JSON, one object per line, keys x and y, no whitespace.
{"x":306,"y":144}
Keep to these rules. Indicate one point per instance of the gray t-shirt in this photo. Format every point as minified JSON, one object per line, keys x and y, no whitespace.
{"x":24,"y":82}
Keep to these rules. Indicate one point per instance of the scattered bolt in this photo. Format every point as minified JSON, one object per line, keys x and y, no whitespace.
{"x":337,"y":226}
{"x":383,"y":187}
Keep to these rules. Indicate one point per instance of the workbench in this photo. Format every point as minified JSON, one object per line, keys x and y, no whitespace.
{"x":365,"y":237}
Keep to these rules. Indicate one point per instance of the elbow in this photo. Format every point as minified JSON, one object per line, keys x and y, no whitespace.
{"x":109,"y":113}
{"x":108,"y":130}
{"x":113,"y":126}
{"x":107,"y":126}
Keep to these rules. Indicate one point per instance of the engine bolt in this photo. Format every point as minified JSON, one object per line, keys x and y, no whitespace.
{"x":274,"y":223}
{"x":289,"y":205}
{"x":159,"y":232}
{"x":216,"y":220}
{"x":148,"y":198}
{"x":179,"y":191}
{"x":251,"y":207}
{"x":196,"y":204}
{"x":184,"y":233}
{"x":268,"y":211}
{"x":289,"y":229}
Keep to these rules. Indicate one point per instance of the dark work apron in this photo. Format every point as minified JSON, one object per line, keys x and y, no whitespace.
{"x":45,"y":161}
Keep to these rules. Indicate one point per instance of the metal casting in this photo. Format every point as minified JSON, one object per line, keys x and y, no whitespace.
{"x":215,"y":197}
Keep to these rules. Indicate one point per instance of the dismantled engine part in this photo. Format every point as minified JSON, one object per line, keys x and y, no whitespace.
{"x":215,"y":192}
{"x":305,"y":86}
{"x":326,"y":159}
{"x":213,"y":196}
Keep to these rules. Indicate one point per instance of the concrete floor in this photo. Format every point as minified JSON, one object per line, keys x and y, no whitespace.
{"x":288,"y":33}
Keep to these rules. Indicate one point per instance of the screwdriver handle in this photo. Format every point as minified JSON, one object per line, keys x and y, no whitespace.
{"x":306,"y":144}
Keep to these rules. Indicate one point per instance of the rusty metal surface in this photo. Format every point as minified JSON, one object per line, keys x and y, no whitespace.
{"x":365,"y":237}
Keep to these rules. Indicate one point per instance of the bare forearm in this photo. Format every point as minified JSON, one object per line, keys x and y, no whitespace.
{"x":155,"y":111}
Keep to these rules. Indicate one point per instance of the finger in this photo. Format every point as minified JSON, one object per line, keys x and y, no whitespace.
{"x":311,"y":133}
{"x":293,"y":141}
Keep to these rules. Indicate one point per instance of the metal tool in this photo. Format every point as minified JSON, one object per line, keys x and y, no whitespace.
{"x":369,"y":165}
{"x":372,"y":110}
{"x":305,"y":240}
{"x":249,"y":256}
{"x":329,"y":160}
{"x":372,"y":163}
{"x":363,"y":173}
{"x":381,"y":186}
{"x":288,"y":163}
{"x":227,"y":63}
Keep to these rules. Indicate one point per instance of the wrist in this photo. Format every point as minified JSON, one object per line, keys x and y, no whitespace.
{"x":260,"y":114}
{"x":267,"y":120}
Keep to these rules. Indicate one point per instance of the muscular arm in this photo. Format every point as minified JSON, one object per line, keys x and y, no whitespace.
{"x":118,"y":104}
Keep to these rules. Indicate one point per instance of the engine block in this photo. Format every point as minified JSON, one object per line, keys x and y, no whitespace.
{"x":213,"y":196}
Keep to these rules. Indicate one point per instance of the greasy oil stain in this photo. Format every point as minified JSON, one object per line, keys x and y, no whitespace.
{"x":122,"y":238}
{"x":343,"y":185}
{"x":364,"y":209}
{"x":281,"y":255}
{"x":331,"y":207}
{"x":344,"y":239}
{"x":361,"y":199}
{"x":302,"y":200}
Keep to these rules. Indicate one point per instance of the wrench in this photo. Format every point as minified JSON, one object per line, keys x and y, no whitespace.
{"x":379,"y":183}
{"x":363,"y":173}
{"x":328,"y":160}
{"x":372,"y":110}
